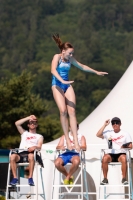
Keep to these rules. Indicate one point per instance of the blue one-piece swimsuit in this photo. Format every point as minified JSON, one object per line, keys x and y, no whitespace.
{"x":63,"y":70}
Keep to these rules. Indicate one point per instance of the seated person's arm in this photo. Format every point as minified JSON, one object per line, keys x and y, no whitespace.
{"x":127,"y":145}
{"x":60,"y":145}
{"x":21,"y":121}
{"x":100,"y":132}
{"x":128,"y":142}
{"x":83,"y":143}
{"x":38,"y":147}
{"x":19,"y":125}
{"x":130,"y":146}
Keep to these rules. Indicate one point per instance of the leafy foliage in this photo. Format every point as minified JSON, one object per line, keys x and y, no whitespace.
{"x":17,"y":101}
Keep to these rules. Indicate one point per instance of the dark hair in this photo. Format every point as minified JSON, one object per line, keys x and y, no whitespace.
{"x":116,"y":119}
{"x":62,"y":46}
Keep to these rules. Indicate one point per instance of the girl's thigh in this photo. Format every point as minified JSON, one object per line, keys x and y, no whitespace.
{"x":59,"y":97}
{"x":70,"y":98}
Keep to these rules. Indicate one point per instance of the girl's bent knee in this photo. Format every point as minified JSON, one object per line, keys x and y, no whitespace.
{"x":63,"y":113}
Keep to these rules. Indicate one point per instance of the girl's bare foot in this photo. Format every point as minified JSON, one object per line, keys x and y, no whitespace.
{"x":69,"y":146}
{"x":77,"y":147}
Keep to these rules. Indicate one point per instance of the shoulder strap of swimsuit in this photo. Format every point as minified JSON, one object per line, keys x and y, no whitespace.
{"x":60,"y":59}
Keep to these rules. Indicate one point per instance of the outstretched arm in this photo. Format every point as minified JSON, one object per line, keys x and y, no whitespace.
{"x":100,"y":132}
{"x":21,"y":121}
{"x":54,"y":65}
{"x":86,"y":68}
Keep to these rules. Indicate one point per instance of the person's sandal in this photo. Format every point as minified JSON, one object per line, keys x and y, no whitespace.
{"x":66,"y":182}
{"x":71,"y":181}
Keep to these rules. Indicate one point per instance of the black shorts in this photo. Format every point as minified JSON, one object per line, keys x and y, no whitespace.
{"x":23,"y":156}
{"x":115,"y":156}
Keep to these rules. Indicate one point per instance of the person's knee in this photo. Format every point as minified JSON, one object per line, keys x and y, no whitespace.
{"x":106,"y":159}
{"x":71,"y":112}
{"x":31,"y":157}
{"x":123,"y":159}
{"x":76,"y":161}
{"x":57,"y":163}
{"x":13,"y":157}
{"x":63,"y":112}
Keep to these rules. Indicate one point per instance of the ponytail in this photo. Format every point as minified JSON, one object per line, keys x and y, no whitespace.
{"x":59,"y":43}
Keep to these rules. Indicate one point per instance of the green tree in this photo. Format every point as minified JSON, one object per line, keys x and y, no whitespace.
{"x":50,"y":128}
{"x":17,"y":101}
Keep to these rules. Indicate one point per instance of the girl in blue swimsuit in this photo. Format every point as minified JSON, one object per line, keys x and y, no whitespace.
{"x":63,"y":92}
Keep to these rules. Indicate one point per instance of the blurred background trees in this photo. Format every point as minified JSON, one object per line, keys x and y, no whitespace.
{"x":102,"y":34}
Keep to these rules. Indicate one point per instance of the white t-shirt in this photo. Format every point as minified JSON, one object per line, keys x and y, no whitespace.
{"x":118,"y":139}
{"x":29,"y":140}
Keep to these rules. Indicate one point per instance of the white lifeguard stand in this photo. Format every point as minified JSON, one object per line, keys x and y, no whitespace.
{"x":113,"y":190}
{"x":24,"y":190}
{"x":79,"y":190}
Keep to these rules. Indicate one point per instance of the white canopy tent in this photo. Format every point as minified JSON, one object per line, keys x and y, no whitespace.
{"x":118,"y":103}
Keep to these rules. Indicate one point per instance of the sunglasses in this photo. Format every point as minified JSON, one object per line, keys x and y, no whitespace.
{"x":33,"y":122}
{"x":115,"y":122}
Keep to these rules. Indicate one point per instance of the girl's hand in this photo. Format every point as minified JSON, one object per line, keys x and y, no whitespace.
{"x":101,"y":73}
{"x":67,"y":82}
